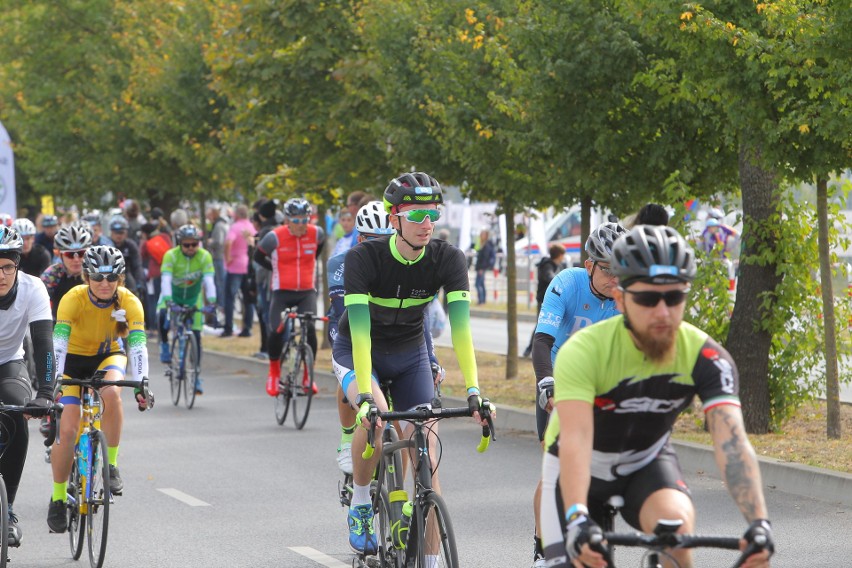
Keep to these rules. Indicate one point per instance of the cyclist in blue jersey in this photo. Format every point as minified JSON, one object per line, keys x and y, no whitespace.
{"x":576,"y":298}
{"x":371,"y":222}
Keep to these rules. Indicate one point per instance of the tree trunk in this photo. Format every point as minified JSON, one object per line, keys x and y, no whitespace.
{"x":748,"y":341}
{"x":511,"y":294}
{"x":832,"y":387}
{"x":585,"y":225}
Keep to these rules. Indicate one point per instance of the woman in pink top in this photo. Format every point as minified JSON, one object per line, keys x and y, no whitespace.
{"x":240,"y":238}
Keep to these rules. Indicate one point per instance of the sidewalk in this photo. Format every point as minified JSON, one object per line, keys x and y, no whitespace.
{"x":806,"y":481}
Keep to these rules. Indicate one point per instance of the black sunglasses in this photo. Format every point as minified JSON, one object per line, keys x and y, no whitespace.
{"x":97,"y":277}
{"x":652,"y":299}
{"x":189,"y":245}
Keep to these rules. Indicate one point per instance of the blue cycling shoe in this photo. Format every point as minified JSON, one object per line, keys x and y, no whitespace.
{"x":362,"y":535}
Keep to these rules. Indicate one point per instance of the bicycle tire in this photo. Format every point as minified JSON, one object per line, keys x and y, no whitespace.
{"x":190,"y":370}
{"x":285,"y":394}
{"x":4,"y":523}
{"x":76,"y":520}
{"x":302,"y":383}
{"x":176,"y":374}
{"x":436,"y":530}
{"x":97,"y":520}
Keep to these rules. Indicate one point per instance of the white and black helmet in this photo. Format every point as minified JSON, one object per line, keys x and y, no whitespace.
{"x":188,"y":232}
{"x":103,"y":259}
{"x":600,"y":241}
{"x":24,"y":226}
{"x":372,"y":219}
{"x":652,"y":253}
{"x":10,"y":240}
{"x":72,"y":237}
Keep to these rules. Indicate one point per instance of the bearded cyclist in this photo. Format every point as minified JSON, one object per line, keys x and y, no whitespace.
{"x":389,"y":284}
{"x":620,"y":386}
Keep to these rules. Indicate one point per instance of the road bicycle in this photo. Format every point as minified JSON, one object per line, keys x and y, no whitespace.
{"x":409,"y":532}
{"x":184,"y":367}
{"x":51,"y":411}
{"x":665,"y":537}
{"x":89,"y":495}
{"x":296,"y":385}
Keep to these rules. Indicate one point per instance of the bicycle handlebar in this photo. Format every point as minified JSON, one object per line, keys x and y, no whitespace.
{"x":305,"y":317}
{"x":422,"y":414}
{"x":669,"y":540}
{"x":97,"y":381}
{"x":53,"y":410}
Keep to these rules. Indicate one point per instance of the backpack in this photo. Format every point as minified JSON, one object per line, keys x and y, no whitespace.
{"x":157,"y":247}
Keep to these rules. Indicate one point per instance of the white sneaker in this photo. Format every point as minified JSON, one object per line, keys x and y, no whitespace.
{"x":539,"y":562}
{"x":344,"y":458}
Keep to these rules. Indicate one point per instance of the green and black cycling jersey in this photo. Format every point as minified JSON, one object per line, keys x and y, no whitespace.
{"x":386,"y":296}
{"x":636,"y":401}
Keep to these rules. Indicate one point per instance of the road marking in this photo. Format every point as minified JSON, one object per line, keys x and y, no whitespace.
{"x":319,"y":557}
{"x":184,"y":498}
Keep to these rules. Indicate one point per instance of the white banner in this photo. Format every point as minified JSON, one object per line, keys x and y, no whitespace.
{"x":8,"y":203}
{"x":464,"y":232}
{"x":537,"y":236}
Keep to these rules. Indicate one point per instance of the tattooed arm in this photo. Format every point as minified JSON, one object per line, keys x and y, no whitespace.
{"x":736,"y":460}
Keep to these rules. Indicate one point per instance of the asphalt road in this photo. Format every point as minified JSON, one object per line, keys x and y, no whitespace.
{"x":223,"y":485}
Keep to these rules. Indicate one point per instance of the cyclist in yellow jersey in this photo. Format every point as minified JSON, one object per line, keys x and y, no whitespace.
{"x":100,"y":325}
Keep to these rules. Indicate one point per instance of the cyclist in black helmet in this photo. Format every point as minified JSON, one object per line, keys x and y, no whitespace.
{"x":620,"y":386}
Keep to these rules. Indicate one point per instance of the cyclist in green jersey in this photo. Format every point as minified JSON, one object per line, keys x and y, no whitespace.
{"x":619,"y":386}
{"x":186,"y":268}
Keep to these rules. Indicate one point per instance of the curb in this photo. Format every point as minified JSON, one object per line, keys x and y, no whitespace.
{"x":806,"y":481}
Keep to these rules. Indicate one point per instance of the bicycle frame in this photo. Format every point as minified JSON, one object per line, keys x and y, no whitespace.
{"x":182,"y":318}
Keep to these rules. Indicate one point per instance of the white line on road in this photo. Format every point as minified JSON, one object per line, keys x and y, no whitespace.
{"x":184,"y":498}
{"x":318,"y":557}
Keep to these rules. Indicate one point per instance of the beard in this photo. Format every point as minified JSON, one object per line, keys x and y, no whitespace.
{"x":658,"y":347}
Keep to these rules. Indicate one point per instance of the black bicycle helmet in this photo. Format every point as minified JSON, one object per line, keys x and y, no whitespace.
{"x":412,"y":188}
{"x":600,"y":241}
{"x":103,"y":259}
{"x":188,"y":232}
{"x":73,"y":237}
{"x":10,"y":240}
{"x":297,"y":207}
{"x":652,"y":253}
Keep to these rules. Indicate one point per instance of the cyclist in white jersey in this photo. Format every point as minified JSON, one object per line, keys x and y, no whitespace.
{"x":24,"y":305}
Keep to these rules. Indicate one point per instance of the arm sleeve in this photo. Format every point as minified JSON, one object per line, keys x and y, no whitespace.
{"x":430,"y":343}
{"x":320,"y":241}
{"x":136,"y":340}
{"x":210,"y":288}
{"x":61,"y":334}
{"x":458,"y":305}
{"x":42,"y":335}
{"x":165,"y":285}
{"x":541,"y":360}
{"x":261,"y":258}
{"x":267,"y":244}
{"x":358,"y":309}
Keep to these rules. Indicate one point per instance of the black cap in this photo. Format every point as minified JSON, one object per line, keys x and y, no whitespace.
{"x":267,"y":209}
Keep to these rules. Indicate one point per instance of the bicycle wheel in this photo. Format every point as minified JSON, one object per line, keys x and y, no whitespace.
{"x":285,"y":393}
{"x":176,"y":370}
{"x":190,"y":369}
{"x":435,"y":537}
{"x":98,"y":517}
{"x":76,"y":521}
{"x":302,"y":385}
{"x":4,"y":524}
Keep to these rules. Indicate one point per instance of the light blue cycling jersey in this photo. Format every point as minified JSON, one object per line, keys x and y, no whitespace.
{"x":569,"y":306}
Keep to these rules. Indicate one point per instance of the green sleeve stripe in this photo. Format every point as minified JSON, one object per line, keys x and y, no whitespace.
{"x":359,"y":329}
{"x":458,"y":296}
{"x":62,"y":331}
{"x":137,"y":338}
{"x":459,"y":315}
{"x":352,"y":299}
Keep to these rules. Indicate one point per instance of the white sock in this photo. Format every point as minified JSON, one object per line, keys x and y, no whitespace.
{"x":360,"y":494}
{"x":431,"y":561}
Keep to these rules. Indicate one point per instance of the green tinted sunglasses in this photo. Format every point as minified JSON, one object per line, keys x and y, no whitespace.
{"x":419,"y":215}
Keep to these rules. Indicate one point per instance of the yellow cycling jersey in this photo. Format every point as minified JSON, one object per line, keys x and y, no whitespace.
{"x":88,"y":328}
